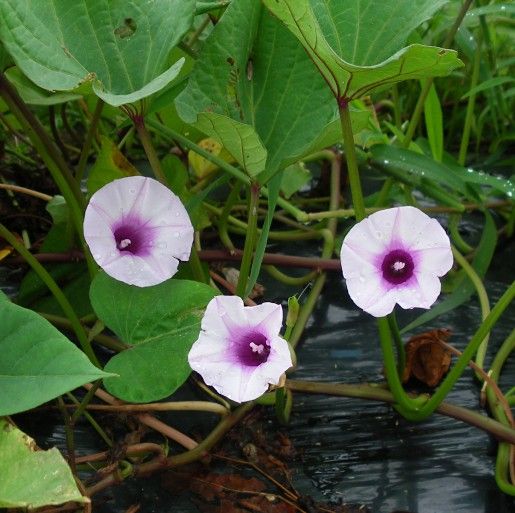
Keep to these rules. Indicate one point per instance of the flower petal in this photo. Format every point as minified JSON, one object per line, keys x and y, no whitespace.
{"x":150,"y":217}
{"x":436,"y":261}
{"x":421,"y":292}
{"x":371,"y":294}
{"x":217,"y":354}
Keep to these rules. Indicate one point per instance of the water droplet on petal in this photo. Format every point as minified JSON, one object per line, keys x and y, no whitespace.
{"x":132,"y":191}
{"x":177,"y":214}
{"x":176,"y":235}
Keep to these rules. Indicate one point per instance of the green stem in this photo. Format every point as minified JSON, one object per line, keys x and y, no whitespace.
{"x":419,"y":107}
{"x":222,"y":221}
{"x":104,"y":340}
{"x":55,"y":290}
{"x":375,"y":392}
{"x":171,"y":134}
{"x":414,"y":411}
{"x":294,"y":281}
{"x":352,"y":161}
{"x":250,"y":240}
{"x":462,"y":245}
{"x":81,"y":166}
{"x":483,"y":301}
{"x":148,"y":146}
{"x":69,"y":434}
{"x":503,"y":452}
{"x":93,"y":422}
{"x":462,"y":156}
{"x":401,"y":353}
{"x":85,"y":401}
{"x":406,"y":405}
{"x":397,"y":106}
{"x":196,"y":266}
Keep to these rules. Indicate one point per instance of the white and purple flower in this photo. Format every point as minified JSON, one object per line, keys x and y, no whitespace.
{"x":138,"y":230}
{"x":395,"y":256}
{"x":239,"y":350}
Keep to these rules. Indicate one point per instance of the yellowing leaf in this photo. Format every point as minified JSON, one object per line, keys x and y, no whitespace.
{"x":203,"y":167}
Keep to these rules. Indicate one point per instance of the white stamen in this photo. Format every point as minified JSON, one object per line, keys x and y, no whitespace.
{"x":124,"y":243}
{"x":399,"y":266}
{"x":257,"y":348}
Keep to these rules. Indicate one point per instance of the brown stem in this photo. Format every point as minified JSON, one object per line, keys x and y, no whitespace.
{"x":378,"y":393}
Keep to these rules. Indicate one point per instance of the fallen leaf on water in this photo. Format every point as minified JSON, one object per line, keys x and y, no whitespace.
{"x":426,"y":359}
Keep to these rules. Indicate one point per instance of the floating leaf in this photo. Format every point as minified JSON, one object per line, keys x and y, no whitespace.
{"x":38,"y":362}
{"x":122,"y":49}
{"x":160,"y":323}
{"x":358,"y":44}
{"x":32,"y":478}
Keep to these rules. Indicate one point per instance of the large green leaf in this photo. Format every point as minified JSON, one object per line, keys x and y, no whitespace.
{"x":34,"y":95}
{"x":160,"y":323}
{"x":32,"y":478}
{"x":255,"y":90}
{"x":38,"y":362}
{"x":121,"y":46}
{"x":358,"y":44}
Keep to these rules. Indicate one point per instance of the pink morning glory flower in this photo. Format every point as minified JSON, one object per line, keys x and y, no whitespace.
{"x":239,"y":351}
{"x":395,"y":256}
{"x":138,"y":230}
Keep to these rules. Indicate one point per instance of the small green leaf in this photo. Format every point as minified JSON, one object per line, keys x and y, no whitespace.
{"x":294,"y":177}
{"x":58,"y":209}
{"x":357,"y":45}
{"x":110,"y":165}
{"x":160,"y":323}
{"x":120,"y":47}
{"x":239,"y":139}
{"x":32,"y":478}
{"x":38,"y":362}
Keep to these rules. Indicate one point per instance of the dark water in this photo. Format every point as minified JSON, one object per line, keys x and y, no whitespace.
{"x":354,"y":451}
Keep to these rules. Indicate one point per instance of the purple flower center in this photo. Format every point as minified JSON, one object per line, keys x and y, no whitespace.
{"x":397,"y":266}
{"x":131,"y":239}
{"x":253,"y":349}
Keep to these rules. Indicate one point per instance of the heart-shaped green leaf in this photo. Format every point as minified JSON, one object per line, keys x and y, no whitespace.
{"x":358,"y":44}
{"x":121,"y":46}
{"x":255,"y":90}
{"x":38,"y":362}
{"x":32,"y":478}
{"x":160,"y":322}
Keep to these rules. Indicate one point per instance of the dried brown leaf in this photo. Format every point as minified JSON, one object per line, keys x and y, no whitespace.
{"x":426,"y":359}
